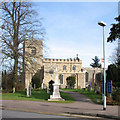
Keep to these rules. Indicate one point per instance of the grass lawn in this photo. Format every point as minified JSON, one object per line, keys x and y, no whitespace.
{"x":96,"y":98}
{"x":36,"y":95}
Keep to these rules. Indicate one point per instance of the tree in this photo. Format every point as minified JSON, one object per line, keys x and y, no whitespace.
{"x":115,"y":34}
{"x":71,"y":81}
{"x":18,"y":25}
{"x":36,"y":80}
{"x":115,"y":58}
{"x":99,"y":77}
{"x":96,"y":62}
{"x":112,"y":74}
{"x":7,"y":80}
{"x":114,"y":31}
{"x":113,"y":70}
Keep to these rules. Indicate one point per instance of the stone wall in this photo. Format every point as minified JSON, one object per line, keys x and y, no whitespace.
{"x":92,"y":75}
{"x":51,"y":64}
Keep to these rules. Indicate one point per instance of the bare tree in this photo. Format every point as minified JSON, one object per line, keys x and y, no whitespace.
{"x":115,"y":58}
{"x":18,"y":25}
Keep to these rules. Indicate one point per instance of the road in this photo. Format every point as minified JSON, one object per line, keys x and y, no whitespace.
{"x":21,"y":114}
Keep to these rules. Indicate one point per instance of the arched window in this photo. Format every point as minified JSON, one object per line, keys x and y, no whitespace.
{"x":86,"y":77}
{"x":64,"y":67}
{"x":61,"y":79}
{"x":33,"y":51}
{"x":74,"y":67}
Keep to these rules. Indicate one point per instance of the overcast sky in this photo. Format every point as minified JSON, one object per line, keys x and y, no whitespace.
{"x":72,"y":29}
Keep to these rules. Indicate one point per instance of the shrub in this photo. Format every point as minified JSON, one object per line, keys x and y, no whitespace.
{"x":19,"y":86}
{"x":7,"y":81}
{"x":116,"y":95}
{"x":36,"y":81}
{"x":71,"y":81}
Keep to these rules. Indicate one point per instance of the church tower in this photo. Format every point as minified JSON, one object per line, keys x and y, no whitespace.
{"x":33,"y":59}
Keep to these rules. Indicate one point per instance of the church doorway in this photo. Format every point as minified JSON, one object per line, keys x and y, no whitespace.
{"x":51,"y":82}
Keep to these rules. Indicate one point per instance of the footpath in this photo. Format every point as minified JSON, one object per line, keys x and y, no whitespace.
{"x":81,"y":106}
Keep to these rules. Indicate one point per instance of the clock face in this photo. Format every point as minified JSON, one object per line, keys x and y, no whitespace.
{"x":33,"y":59}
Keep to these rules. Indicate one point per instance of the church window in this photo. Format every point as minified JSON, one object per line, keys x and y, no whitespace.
{"x":86,"y":77}
{"x":64,"y":67}
{"x":74,"y":67}
{"x":61,"y":79}
{"x":33,"y":52}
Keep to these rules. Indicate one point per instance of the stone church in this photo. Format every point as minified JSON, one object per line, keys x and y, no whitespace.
{"x":34,"y":61}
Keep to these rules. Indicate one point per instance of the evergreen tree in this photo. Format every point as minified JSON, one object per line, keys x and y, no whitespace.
{"x":114,"y":31}
{"x":112,"y":74}
{"x":115,"y":34}
{"x":96,"y":62}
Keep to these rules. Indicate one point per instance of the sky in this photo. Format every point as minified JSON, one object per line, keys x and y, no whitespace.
{"x":72,"y":28}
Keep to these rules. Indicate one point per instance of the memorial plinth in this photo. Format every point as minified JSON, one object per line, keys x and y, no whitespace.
{"x":56,"y":94}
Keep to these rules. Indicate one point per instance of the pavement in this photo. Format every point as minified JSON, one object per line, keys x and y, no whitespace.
{"x":81,"y":106}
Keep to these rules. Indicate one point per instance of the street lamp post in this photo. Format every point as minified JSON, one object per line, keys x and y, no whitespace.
{"x":103,"y":25}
